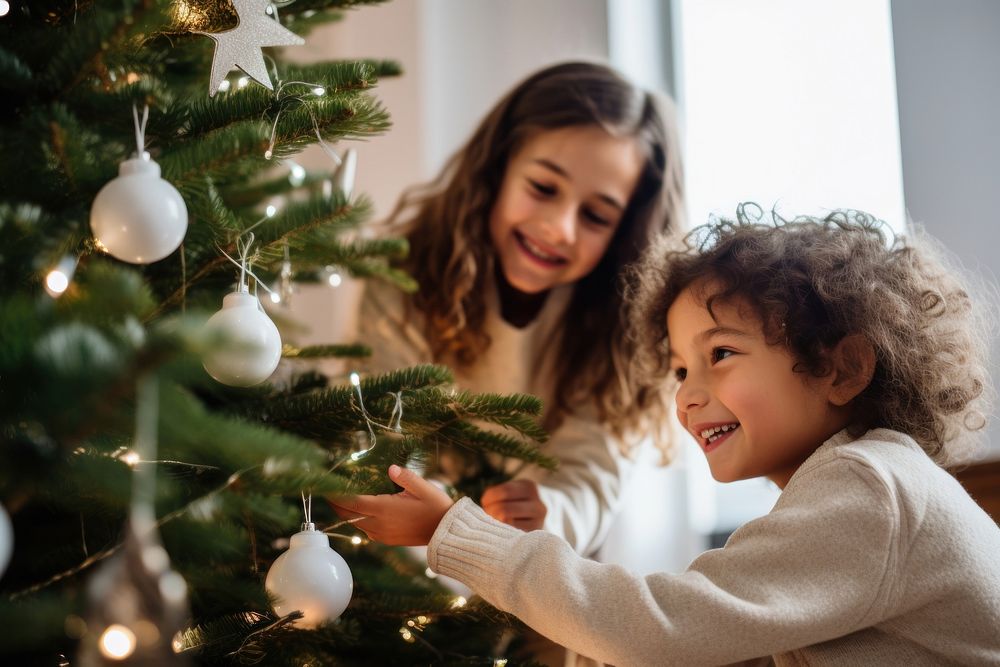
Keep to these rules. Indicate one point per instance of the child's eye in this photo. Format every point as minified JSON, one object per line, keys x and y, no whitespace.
{"x":680,"y":374}
{"x":541,"y":188}
{"x":595,"y":218}
{"x":720,"y":353}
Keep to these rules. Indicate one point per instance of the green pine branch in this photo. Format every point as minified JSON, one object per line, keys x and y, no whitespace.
{"x":354,"y":351}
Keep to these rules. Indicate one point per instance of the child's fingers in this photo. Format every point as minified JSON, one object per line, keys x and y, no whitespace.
{"x":515,"y":503}
{"x":411,"y":481}
{"x":343,"y":512}
{"x":516,"y":509}
{"x":518,"y":489}
{"x":518,"y":513}
{"x":357,"y":505}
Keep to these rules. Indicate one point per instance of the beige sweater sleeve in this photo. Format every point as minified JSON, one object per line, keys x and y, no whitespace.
{"x":771,"y":589}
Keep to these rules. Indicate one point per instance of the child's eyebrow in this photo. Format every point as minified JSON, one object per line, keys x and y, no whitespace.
{"x":708,"y":334}
{"x":721,"y":331}
{"x":552,"y":166}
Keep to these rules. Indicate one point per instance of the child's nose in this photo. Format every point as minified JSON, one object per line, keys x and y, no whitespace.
{"x":561,"y":224}
{"x":691,"y":395}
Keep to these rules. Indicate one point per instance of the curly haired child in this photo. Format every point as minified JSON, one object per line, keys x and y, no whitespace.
{"x":844,"y":367}
{"x":519,"y":247}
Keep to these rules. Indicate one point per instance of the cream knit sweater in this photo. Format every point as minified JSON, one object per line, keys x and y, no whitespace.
{"x":582,"y":497}
{"x":872,"y":556}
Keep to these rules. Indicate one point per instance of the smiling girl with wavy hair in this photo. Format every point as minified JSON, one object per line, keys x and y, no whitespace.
{"x":519,"y":247}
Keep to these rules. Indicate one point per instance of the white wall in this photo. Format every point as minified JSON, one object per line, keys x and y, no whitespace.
{"x":948,"y":81}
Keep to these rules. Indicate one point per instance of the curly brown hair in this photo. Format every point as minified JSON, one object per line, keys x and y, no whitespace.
{"x":813,"y":281}
{"x":451,"y":255}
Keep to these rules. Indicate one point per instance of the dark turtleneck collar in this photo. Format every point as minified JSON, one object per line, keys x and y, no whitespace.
{"x":517,"y":308}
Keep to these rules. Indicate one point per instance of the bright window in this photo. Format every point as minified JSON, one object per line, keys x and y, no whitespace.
{"x":788,"y":103}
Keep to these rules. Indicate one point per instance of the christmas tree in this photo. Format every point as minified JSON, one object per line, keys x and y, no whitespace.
{"x":138,"y":169}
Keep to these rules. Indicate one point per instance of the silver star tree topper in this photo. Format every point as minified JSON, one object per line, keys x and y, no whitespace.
{"x":241,"y":46}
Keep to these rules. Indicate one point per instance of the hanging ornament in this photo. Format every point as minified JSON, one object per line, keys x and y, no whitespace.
{"x":252,"y":342}
{"x":6,"y":539}
{"x":343,"y":175}
{"x":136,"y":603}
{"x":241,"y":46}
{"x":138,"y":217}
{"x":310,"y":577}
{"x":284,"y":287}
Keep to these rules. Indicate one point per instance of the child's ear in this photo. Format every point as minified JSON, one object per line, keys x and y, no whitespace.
{"x":853,"y":362}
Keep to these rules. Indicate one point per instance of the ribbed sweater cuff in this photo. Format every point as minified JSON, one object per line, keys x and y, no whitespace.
{"x":470,"y":546}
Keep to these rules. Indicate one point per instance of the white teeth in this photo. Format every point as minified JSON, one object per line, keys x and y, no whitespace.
{"x":538,"y":252}
{"x":714,"y":432}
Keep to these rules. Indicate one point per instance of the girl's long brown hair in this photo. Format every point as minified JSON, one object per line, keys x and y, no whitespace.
{"x":451,"y":256}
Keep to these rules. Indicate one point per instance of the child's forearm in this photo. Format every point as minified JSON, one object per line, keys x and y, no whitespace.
{"x":536,"y":576}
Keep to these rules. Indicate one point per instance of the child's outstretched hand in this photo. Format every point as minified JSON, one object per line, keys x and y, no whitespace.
{"x":408,"y":518}
{"x":515,"y":503}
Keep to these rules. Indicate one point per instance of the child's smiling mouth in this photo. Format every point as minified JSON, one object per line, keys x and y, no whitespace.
{"x":537,"y":253}
{"x":713,"y":436}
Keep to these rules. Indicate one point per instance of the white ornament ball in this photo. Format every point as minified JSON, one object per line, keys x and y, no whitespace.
{"x":251,"y":345}
{"x":6,"y":539}
{"x":310,"y":577}
{"x":138,"y":217}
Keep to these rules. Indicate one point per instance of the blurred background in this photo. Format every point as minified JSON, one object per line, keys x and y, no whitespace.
{"x":888,"y":107}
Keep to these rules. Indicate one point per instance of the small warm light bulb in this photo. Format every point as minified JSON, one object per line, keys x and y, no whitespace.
{"x":4,"y":7}
{"x":271,"y":210}
{"x":242,"y":82}
{"x":57,"y":280}
{"x":334,"y":279}
{"x":319,"y":91}
{"x":459,"y":602}
{"x":117,"y":642}
{"x":355,"y":540}
{"x":130,"y":458}
{"x":298,"y":174}
{"x":178,"y":643}
{"x":224,"y":85}
{"x":355,"y":379}
{"x":275,"y":297}
{"x":406,"y":634}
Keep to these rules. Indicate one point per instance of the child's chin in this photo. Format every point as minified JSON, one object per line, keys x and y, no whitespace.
{"x":727,"y":476}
